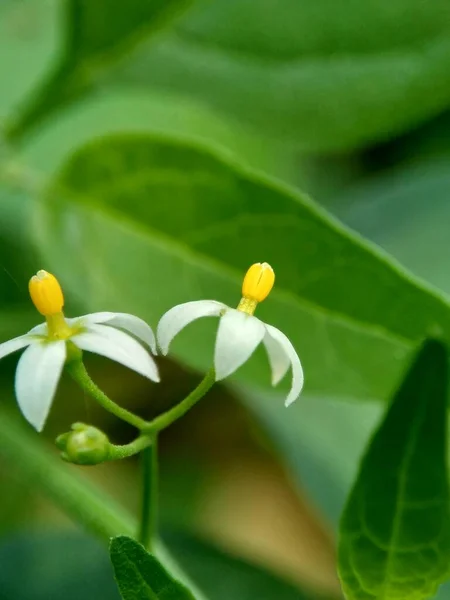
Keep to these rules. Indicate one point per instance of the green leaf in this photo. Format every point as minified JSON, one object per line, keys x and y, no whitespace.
{"x":173,"y":213}
{"x":73,"y":565}
{"x":395,"y":529}
{"x":98,"y":32}
{"x":140,"y":576}
{"x":28,"y":40}
{"x":323,"y":74}
{"x":394,"y":210}
{"x":239,"y":579}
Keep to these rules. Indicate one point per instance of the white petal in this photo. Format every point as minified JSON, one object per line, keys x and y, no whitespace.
{"x":118,"y":346}
{"x":278,"y":358}
{"x":37,"y":377}
{"x":176,"y":319}
{"x":41,"y":329}
{"x":297,"y":371}
{"x":238,"y":336}
{"x":134,"y":325}
{"x":92,"y":318}
{"x":15,"y":344}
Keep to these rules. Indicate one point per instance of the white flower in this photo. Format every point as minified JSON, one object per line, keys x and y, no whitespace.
{"x":105,"y":333}
{"x":239,"y":331}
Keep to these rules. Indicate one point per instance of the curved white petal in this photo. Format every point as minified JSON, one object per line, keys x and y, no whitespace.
{"x":37,"y":377}
{"x":118,"y":346}
{"x":134,"y":325}
{"x":176,"y":319}
{"x":297,"y":371}
{"x":237,"y":338}
{"x":92,"y":318}
{"x":15,"y":344}
{"x":40,"y":329}
{"x":279,"y":359}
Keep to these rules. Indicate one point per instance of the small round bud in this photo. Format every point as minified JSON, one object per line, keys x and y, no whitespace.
{"x":46,"y":293}
{"x":84,"y":445}
{"x":258,"y":282}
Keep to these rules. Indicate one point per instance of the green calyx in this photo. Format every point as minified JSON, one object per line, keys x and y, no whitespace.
{"x":84,"y":445}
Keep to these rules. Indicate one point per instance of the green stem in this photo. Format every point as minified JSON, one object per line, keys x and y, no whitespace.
{"x":138,"y":445}
{"x":149,"y":520}
{"x":182,"y":408}
{"x":77,"y":371}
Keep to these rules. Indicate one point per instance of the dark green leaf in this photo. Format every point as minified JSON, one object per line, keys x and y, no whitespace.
{"x":324,"y":74}
{"x":140,"y":576}
{"x":142,"y":206}
{"x":395,"y":530}
{"x":98,"y":32}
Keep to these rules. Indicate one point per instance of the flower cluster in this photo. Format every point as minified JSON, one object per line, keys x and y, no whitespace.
{"x":128,"y":340}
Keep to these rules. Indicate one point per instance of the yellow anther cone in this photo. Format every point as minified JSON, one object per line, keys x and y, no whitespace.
{"x":46,"y":293}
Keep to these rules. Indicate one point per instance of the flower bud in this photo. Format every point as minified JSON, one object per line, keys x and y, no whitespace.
{"x":46,"y":293}
{"x":84,"y":445}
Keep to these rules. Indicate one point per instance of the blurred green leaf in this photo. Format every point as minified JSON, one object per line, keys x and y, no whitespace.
{"x":407,"y":212}
{"x":140,"y":576}
{"x":320,"y":439}
{"x":238,"y":579}
{"x":98,"y":32}
{"x":29,"y":39}
{"x":46,"y":565}
{"x":147,"y":111}
{"x":30,"y":461}
{"x":51,"y":566}
{"x":395,"y":529}
{"x":323,"y":74}
{"x":194,"y":220}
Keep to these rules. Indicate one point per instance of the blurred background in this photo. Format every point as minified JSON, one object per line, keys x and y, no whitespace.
{"x":344,"y":101}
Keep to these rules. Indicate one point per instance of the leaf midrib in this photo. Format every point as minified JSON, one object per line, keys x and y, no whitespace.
{"x":400,"y":500}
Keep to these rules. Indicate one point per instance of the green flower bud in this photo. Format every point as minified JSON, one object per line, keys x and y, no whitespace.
{"x":84,"y":445}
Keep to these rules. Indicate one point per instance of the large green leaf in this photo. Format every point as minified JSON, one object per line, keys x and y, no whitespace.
{"x":132,"y":206}
{"x":140,"y":575}
{"x":97,"y":32}
{"x":324,"y":74}
{"x":395,"y":529}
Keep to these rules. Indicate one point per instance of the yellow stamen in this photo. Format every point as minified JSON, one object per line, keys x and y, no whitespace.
{"x":46,"y":293}
{"x":256,"y":286}
{"x":48,"y":298}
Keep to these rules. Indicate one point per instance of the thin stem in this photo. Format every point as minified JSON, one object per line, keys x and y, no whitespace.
{"x":150,"y":472}
{"x":138,"y":445}
{"x":78,"y":372}
{"x":182,"y":408}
